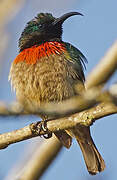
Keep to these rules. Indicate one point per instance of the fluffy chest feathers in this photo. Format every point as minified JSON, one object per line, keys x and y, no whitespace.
{"x":44,"y":75}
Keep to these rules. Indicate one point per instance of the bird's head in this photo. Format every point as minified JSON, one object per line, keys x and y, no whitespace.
{"x":43,"y":28}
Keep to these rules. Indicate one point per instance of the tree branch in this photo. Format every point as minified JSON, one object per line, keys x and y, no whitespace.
{"x":38,"y":160}
{"x":86,"y":118}
{"x":43,"y":156}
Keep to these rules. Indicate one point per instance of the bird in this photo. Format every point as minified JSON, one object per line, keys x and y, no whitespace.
{"x":47,"y":69}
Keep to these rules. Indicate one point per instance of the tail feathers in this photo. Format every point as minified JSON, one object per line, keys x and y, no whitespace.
{"x":92,"y":157}
{"x":64,"y":138}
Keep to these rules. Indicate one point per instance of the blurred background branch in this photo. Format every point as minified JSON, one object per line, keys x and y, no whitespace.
{"x":38,"y":162}
{"x":86,"y":100}
{"x":104,"y":70}
{"x":8,"y":10}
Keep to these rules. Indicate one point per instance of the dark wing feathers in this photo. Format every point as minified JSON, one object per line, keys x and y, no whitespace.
{"x":78,"y":59}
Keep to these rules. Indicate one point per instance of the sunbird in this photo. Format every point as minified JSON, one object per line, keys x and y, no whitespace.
{"x":47,"y":69}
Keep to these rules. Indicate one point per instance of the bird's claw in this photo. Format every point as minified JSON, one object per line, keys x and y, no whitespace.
{"x":39,"y":128}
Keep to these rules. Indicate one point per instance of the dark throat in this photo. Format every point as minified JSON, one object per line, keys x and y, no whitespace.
{"x":24,"y":44}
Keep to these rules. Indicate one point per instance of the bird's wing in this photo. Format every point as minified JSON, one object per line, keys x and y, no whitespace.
{"x":77,"y":59}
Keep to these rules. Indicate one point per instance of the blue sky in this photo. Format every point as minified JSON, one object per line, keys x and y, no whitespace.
{"x":93,"y":34}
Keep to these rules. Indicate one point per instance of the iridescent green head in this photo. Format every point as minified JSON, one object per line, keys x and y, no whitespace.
{"x":43,"y":28}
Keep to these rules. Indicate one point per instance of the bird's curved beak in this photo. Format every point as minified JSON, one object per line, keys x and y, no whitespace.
{"x":64,"y":17}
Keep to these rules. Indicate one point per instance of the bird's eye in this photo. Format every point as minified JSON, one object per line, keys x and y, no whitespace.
{"x":40,"y":25}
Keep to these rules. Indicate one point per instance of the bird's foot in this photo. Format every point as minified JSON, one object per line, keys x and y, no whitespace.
{"x":40,"y":128}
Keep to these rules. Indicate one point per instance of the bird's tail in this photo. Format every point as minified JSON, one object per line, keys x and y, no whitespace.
{"x":92,"y":157}
{"x":64,"y":138}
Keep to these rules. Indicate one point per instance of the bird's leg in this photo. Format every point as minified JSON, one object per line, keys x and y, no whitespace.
{"x":45,"y":129}
{"x":40,"y":127}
